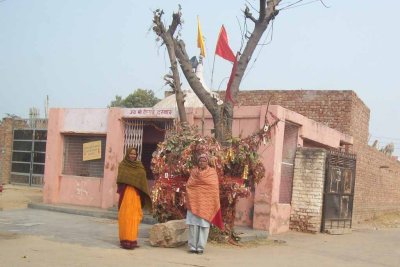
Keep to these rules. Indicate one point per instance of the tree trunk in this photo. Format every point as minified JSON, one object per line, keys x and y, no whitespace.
{"x":266,"y":14}
{"x":209,"y":102}
{"x":180,"y":101}
{"x":167,"y":37}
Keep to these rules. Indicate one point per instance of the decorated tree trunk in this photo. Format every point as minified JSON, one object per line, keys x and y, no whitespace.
{"x":237,"y":165}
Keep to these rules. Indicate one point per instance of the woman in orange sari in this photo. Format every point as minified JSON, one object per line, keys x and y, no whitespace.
{"x":203,"y":204}
{"x":133,"y":195}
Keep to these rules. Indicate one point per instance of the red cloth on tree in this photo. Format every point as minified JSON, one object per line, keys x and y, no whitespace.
{"x":228,"y":95}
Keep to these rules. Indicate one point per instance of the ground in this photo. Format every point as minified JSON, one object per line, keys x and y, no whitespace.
{"x":388,"y":220}
{"x":18,"y":197}
{"x":43,"y":238}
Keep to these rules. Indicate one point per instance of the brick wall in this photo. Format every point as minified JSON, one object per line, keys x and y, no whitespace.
{"x":7,"y":126}
{"x":2,"y":150}
{"x":359,"y":121}
{"x":342,"y":110}
{"x":377,"y":188}
{"x":308,"y":185}
{"x":6,"y":138}
{"x":332,"y":108}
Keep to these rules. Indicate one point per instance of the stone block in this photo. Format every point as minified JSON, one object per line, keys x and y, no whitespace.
{"x":169,"y":235}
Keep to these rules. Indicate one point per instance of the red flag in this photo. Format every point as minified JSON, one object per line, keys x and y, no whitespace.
{"x":228,"y":96}
{"x":223,"y":50}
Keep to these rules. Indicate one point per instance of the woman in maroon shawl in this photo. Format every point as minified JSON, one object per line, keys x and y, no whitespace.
{"x":203,"y":204}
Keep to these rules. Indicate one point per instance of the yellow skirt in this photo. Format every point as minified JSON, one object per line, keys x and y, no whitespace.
{"x":129,"y":216}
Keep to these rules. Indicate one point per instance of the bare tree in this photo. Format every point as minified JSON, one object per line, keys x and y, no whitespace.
{"x":222,"y":114}
{"x":168,"y":38}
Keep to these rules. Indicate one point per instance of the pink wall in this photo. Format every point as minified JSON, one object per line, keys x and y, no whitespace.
{"x":80,"y":190}
{"x":114,"y":154}
{"x":261,"y":210}
{"x":68,"y":189}
{"x":54,"y":150}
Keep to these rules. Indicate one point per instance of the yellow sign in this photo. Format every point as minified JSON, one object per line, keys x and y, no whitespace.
{"x":92,"y":150}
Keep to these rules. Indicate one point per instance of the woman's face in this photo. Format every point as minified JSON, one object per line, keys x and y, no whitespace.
{"x":132,"y":155}
{"x":203,"y":162}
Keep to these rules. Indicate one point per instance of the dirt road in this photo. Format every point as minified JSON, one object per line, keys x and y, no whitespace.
{"x":18,"y":197}
{"x":43,"y":238}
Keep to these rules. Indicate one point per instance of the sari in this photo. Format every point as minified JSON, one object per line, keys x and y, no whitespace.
{"x":133,"y":196}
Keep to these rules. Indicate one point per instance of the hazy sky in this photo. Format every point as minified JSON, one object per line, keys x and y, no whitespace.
{"x":81,"y":53}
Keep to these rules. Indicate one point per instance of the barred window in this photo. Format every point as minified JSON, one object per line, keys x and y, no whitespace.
{"x":74,"y":164}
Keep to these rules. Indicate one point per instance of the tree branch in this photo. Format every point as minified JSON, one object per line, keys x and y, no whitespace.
{"x":272,"y":12}
{"x":176,"y":21}
{"x":191,"y":77}
{"x":249,"y":15}
{"x":259,"y":28}
{"x":177,"y":54}
{"x":167,"y":37}
{"x":262,"y":10}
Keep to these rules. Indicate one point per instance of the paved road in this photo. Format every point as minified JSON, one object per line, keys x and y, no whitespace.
{"x":62,"y":227}
{"x":47,"y":238}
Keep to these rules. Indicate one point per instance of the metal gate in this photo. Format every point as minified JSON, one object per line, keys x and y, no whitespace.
{"x":28,"y":156}
{"x":133,"y":136}
{"x":338,"y":190}
{"x":133,"y":133}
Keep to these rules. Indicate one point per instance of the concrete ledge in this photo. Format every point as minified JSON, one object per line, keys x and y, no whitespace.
{"x":86,"y":211}
{"x":247,"y":234}
{"x":341,"y":231}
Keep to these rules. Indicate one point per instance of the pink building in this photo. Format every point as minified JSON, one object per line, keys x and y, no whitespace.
{"x":72,"y":179}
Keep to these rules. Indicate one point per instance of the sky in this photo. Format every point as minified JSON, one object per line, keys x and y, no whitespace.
{"x":82,"y":53}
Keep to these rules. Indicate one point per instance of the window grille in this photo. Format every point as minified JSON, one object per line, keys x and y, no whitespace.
{"x":169,"y":127}
{"x":134,"y":136}
{"x":73,"y":163}
{"x":133,"y":133}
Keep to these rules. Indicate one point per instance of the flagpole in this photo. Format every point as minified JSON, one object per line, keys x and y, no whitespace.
{"x":212,"y":74}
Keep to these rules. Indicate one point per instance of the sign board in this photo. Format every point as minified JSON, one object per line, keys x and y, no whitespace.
{"x":149,"y":113}
{"x":91,"y":150}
